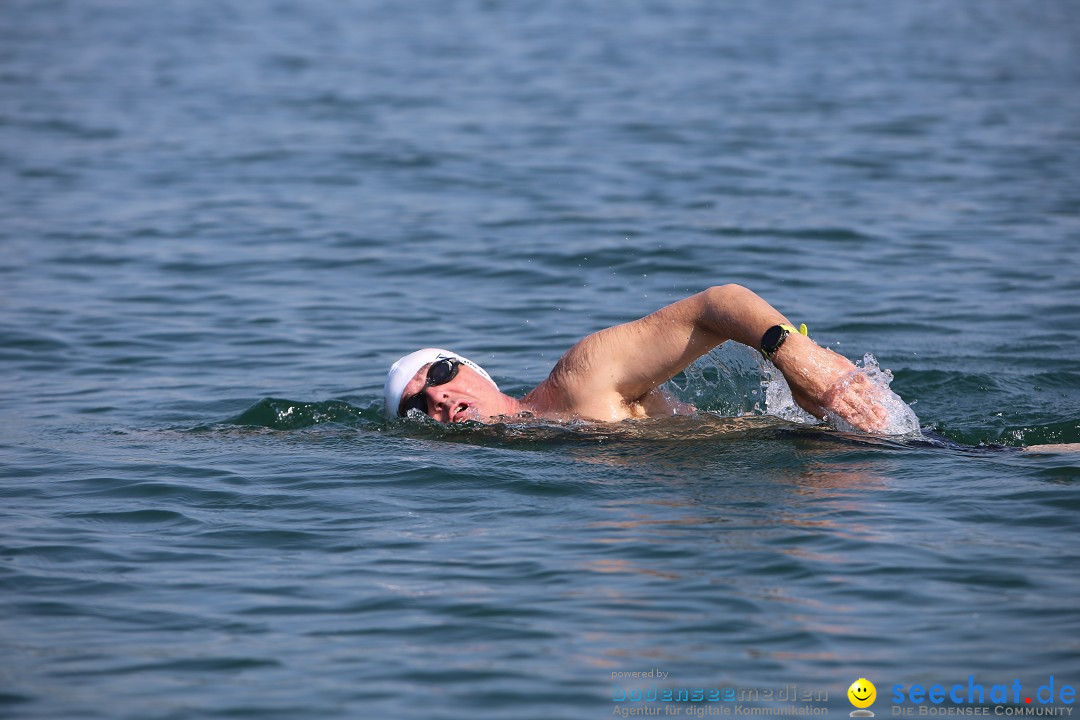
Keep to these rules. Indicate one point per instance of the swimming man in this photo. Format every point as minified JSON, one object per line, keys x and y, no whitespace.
{"x":614,"y":374}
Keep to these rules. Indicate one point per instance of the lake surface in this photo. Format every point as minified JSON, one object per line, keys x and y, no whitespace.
{"x":222,"y":221}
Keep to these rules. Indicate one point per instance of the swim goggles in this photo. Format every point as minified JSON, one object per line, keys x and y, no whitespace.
{"x":440,"y":373}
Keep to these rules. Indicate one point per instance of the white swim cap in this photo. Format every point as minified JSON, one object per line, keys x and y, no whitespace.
{"x":404,"y":369}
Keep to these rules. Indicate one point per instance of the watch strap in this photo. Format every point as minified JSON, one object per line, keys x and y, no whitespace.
{"x":775,"y":336}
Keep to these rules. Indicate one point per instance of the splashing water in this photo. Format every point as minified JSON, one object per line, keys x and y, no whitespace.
{"x":778,"y":399}
{"x":726,"y":381}
{"x":901,"y":418}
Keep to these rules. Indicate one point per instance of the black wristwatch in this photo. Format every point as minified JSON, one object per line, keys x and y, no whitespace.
{"x":773,"y":338}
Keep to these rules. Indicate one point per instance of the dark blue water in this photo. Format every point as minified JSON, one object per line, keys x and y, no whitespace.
{"x":221,"y":221}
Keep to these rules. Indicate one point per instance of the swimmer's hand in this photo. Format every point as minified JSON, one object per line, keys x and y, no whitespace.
{"x":823,"y":383}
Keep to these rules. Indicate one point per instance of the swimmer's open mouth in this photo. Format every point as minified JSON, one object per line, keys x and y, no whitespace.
{"x":459,"y":412}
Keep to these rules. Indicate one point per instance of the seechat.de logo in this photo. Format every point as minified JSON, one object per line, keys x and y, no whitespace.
{"x":862,"y":694}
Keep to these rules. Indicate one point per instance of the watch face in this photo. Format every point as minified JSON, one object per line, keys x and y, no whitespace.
{"x":773,"y":339}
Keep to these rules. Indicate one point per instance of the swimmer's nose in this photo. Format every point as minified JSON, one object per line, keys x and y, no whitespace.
{"x":439,"y":400}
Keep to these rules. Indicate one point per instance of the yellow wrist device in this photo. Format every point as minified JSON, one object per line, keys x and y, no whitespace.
{"x":775,"y":336}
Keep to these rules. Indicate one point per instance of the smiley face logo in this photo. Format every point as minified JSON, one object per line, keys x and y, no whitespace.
{"x":862,"y":693}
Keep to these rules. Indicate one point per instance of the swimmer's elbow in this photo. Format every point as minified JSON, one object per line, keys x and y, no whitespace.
{"x":727,"y":295}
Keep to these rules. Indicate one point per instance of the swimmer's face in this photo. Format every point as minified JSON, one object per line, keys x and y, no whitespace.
{"x":466,"y":396}
{"x":862,"y":693}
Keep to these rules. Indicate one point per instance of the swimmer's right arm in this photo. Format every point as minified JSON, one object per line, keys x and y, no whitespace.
{"x":625,"y":362}
{"x":821,"y":380}
{"x":622,"y":364}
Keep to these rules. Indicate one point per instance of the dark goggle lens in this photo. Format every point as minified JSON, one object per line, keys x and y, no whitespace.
{"x":416,"y":402}
{"x":440,"y":373}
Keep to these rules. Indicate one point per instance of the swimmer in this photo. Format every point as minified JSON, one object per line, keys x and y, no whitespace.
{"x":615,"y":374}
